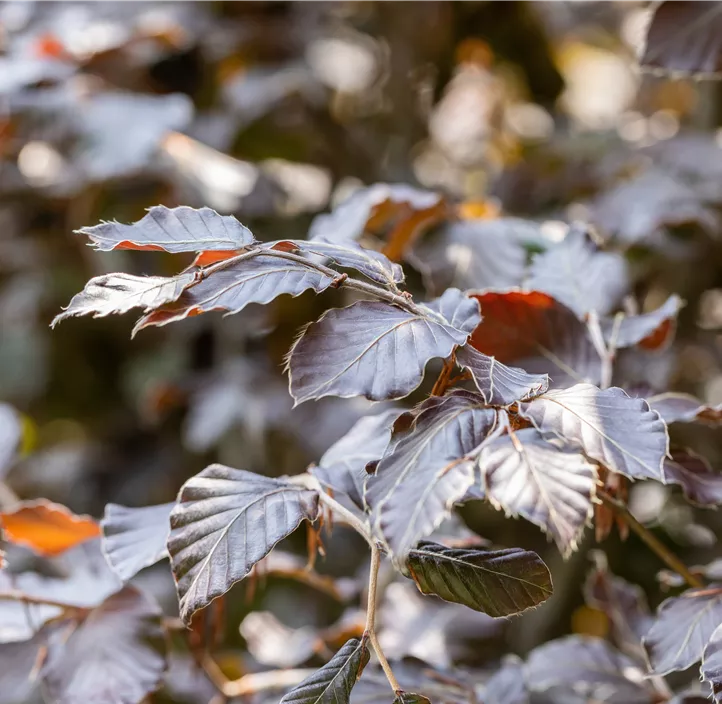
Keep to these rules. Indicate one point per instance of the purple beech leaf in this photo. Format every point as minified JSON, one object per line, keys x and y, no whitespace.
{"x":507,"y":685}
{"x":18,"y":673}
{"x":498,"y":384}
{"x":257,"y":279}
{"x":273,"y":643}
{"x":541,"y":479}
{"x":410,"y":698}
{"x":580,"y":276}
{"x":114,"y":654}
{"x":180,"y":229}
{"x":652,"y":331}
{"x":135,"y":538}
{"x":701,"y":484}
{"x":495,"y":582}
{"x":347,"y":222}
{"x":342,"y":469}
{"x":712,"y":664}
{"x":675,"y":407}
{"x":119,"y":293}
{"x":589,"y":667}
{"x":226,"y":520}
{"x":620,"y":432}
{"x":425,"y":470}
{"x":11,"y":436}
{"x":332,"y":684}
{"x":376,"y":350}
{"x":682,"y":628}
{"x":532,"y":330}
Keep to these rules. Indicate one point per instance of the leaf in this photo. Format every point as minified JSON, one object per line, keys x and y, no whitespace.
{"x":684,"y":37}
{"x":541,"y":479}
{"x":498,"y":384}
{"x":374,"y":349}
{"x":410,"y":698}
{"x":342,"y":469}
{"x":114,"y":654}
{"x":332,"y":684}
{"x":226,"y":520}
{"x":701,"y":484}
{"x":256,"y":279}
{"x":712,"y":664}
{"x":495,"y":582}
{"x":180,"y":229}
{"x":424,"y":472}
{"x":537,"y":333}
{"x":675,"y":407}
{"x":620,"y":432}
{"x":274,"y":644}
{"x":119,"y":293}
{"x":507,"y":685}
{"x":580,"y":276}
{"x":11,"y":435}
{"x":651,"y":331}
{"x":589,"y":667}
{"x":18,"y":673}
{"x":682,"y":628}
{"x":135,"y":538}
{"x":45,"y":527}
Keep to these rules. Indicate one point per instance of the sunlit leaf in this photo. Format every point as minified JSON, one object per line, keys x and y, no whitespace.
{"x":45,"y":527}
{"x":498,"y":384}
{"x":376,"y":350}
{"x":682,"y":628}
{"x":332,"y":684}
{"x":180,"y":229}
{"x":684,"y":408}
{"x":712,"y":664}
{"x":651,"y":331}
{"x":135,"y":538}
{"x":424,"y":472}
{"x":495,"y":582}
{"x":579,"y":275}
{"x":119,"y":293}
{"x":541,"y":479}
{"x":539,"y":334}
{"x":114,"y":654}
{"x":226,"y":520}
{"x":620,"y":432}
{"x":273,"y":643}
{"x":701,"y":484}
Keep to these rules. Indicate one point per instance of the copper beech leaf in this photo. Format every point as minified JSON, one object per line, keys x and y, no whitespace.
{"x":135,"y":538}
{"x":410,"y":698}
{"x":534,"y":331}
{"x":682,"y":628}
{"x":701,"y":484}
{"x":180,"y":229}
{"x":425,"y":470}
{"x":495,"y":582}
{"x":507,"y":684}
{"x":377,"y":350}
{"x":651,"y":331}
{"x":119,"y":293}
{"x":542,"y":479}
{"x":113,"y":654}
{"x":620,"y":432}
{"x":257,"y":278}
{"x":498,"y":384}
{"x":225,"y":521}
{"x":711,"y":669}
{"x":46,"y":528}
{"x":676,"y":407}
{"x":332,"y":684}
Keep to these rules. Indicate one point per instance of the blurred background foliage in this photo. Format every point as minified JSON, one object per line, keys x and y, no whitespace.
{"x":275,"y":112}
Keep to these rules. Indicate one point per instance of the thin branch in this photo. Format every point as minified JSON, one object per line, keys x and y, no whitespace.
{"x":444,"y":380}
{"x":661,"y":550}
{"x":606,"y":351}
{"x":15,"y":595}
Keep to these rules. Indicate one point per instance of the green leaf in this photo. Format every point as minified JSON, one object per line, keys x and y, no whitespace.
{"x":495,"y":582}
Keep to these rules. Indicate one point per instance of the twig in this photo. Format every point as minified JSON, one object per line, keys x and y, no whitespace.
{"x":443,"y":382}
{"x":14,"y":595}
{"x":606,"y":350}
{"x":664,"y":553}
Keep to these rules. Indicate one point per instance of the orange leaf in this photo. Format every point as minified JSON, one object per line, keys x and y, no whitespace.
{"x":211,"y":257}
{"x":47,"y":528}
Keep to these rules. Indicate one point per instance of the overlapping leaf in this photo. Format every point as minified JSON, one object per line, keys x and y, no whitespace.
{"x":712,"y":664}
{"x":579,"y":275}
{"x":180,"y":229}
{"x":541,"y":479}
{"x":682,"y":628}
{"x":534,"y":331}
{"x":114,"y":654}
{"x":376,"y":350}
{"x":498,"y":384}
{"x":424,"y":472}
{"x":495,"y":582}
{"x":119,"y":293}
{"x":256,"y":279}
{"x":675,"y":407}
{"x":332,"y":684}
{"x":701,"y":484}
{"x":651,"y":331}
{"x":620,"y":432}
{"x":135,"y":538}
{"x":226,"y":520}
